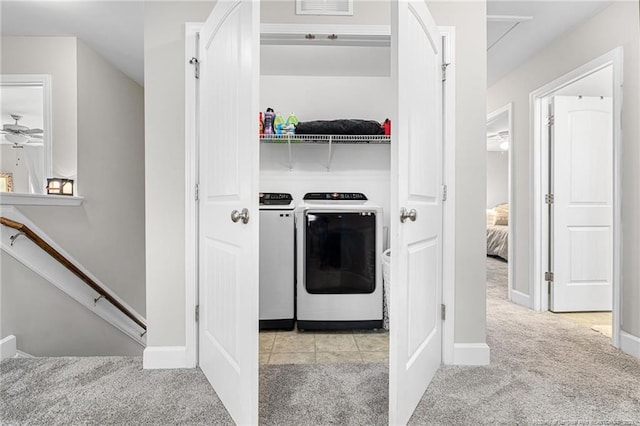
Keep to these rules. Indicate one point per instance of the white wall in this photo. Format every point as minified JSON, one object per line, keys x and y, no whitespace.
{"x":617,"y":25}
{"x":56,"y":56}
{"x":373,"y":12}
{"x":354,"y":168}
{"x":106,"y":233}
{"x":327,"y":98}
{"x":497,"y":178}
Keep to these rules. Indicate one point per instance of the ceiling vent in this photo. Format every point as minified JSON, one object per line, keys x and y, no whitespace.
{"x":324,"y":7}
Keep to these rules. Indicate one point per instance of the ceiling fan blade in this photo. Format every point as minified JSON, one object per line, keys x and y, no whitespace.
{"x":33,"y":131}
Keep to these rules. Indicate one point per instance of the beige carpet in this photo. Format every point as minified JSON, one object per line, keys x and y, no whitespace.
{"x":544,"y":370}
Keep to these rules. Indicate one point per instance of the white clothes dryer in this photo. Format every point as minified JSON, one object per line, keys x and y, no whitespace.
{"x":339,"y":277}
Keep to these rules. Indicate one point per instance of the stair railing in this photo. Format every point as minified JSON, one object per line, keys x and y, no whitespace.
{"x":24,"y":230}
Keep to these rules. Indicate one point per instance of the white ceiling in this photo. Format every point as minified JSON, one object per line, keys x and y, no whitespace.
{"x":115,"y":29}
{"x":550,"y":19}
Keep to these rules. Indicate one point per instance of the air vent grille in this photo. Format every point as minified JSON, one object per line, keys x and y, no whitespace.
{"x":324,"y":7}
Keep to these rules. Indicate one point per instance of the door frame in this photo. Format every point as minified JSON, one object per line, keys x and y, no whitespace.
{"x":539,"y":222}
{"x":511,"y":252}
{"x":191,"y":204}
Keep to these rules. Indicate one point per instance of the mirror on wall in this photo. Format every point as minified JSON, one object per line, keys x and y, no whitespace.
{"x":25,"y":135}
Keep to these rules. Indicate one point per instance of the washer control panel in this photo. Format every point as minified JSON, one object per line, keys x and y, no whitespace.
{"x":275,"y":199}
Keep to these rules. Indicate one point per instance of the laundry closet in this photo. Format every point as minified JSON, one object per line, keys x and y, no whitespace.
{"x":340,"y":185}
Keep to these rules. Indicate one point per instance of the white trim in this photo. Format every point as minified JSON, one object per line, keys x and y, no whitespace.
{"x":162,"y":357}
{"x":43,"y":80}
{"x":191,"y":205}
{"x":380,"y":31}
{"x":520,"y":298}
{"x":630,"y":343}
{"x":537,"y":225}
{"x":471,"y":354}
{"x":20,"y":199}
{"x":41,"y":263}
{"x":8,"y":348}
{"x":511,"y":237}
{"x":449,"y":212}
{"x":20,"y":354}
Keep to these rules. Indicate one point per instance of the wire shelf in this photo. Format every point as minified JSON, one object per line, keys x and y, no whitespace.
{"x":327,"y":139}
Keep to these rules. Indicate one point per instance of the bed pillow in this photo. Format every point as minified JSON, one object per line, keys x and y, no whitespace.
{"x":491,"y":216}
{"x":502,"y":214}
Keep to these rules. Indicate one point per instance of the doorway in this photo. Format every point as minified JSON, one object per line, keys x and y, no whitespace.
{"x":437,"y":191}
{"x":575,"y":250}
{"x":500,"y":218}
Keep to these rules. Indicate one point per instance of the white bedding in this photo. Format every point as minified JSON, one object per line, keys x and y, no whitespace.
{"x":498,"y":241}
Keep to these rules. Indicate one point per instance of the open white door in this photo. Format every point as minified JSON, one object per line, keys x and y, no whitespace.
{"x":228,"y":193}
{"x":582,"y":164}
{"x":416,"y":194}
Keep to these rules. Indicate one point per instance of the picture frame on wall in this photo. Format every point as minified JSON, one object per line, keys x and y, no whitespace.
{"x":6,"y":182}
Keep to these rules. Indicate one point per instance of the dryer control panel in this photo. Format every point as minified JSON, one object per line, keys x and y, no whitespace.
{"x":335,"y":196}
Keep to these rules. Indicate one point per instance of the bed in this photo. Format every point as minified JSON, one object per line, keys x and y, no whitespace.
{"x":498,"y":231}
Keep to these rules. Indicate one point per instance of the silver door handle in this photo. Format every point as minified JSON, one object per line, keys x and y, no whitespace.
{"x":236,"y":216}
{"x":404,"y":215}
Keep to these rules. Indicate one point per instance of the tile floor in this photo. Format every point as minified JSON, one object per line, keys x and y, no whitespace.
{"x":323,"y":347}
{"x":597,"y":321}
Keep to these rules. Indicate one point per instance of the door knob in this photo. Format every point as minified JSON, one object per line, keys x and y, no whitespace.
{"x":411,"y":214}
{"x":236,"y":216}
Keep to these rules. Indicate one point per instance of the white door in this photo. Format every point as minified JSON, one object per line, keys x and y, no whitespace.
{"x":416,"y":185}
{"x":229,"y":164}
{"x":582,"y":219}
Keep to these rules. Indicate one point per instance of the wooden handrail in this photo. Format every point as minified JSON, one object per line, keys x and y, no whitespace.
{"x":71,"y":267}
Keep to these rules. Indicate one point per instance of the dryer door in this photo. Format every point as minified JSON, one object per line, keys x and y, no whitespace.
{"x":340,"y":252}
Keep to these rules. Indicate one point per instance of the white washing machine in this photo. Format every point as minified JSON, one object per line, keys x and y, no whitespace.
{"x":277,"y":265}
{"x":339,"y":277}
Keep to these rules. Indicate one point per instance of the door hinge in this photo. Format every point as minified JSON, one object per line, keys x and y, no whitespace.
{"x":196,"y":63}
{"x":443,"y":312}
{"x":549,"y":199}
{"x":197,"y":313}
{"x":444,"y":192}
{"x":444,"y":70}
{"x":548,"y":276}
{"x":551,"y":120}
{"x":197,"y":191}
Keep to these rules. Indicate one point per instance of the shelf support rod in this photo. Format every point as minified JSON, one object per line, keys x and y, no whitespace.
{"x":289,"y":147}
{"x":330,"y":152}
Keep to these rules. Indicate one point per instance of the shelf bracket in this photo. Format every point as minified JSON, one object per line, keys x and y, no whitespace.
{"x":330,"y":153}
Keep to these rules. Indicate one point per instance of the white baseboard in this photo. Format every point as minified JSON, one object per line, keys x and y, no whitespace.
{"x":158,"y":357}
{"x":8,"y":347}
{"x":20,"y":354}
{"x":520,"y":298}
{"x":471,"y":354}
{"x":630,"y":344}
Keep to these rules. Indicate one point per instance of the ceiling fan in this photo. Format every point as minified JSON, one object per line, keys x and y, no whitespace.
{"x":502,"y":137}
{"x":19,"y":134}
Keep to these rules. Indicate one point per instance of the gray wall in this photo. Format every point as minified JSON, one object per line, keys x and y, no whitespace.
{"x":497,"y":178}
{"x":469,"y":18}
{"x":617,"y":25}
{"x":56,"y":56}
{"x":106,"y":233}
{"x":164,"y":100}
{"x":47,"y":322}
{"x":164,"y":165}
